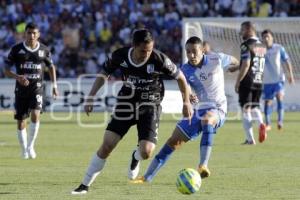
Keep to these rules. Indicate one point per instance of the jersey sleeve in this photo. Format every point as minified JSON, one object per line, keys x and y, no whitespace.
{"x":283,"y":54}
{"x":111,"y":63}
{"x":185,"y":73}
{"x":225,"y":60}
{"x":245,"y":52}
{"x":48,"y":59}
{"x":10,"y":59}
{"x":168,"y":67}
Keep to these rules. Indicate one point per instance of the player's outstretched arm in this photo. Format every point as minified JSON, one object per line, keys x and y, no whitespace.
{"x":20,"y":78}
{"x":187,"y":110}
{"x":52,"y":74}
{"x":99,"y":82}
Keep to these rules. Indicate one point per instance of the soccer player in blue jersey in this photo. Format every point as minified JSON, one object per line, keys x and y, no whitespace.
{"x":274,"y":77}
{"x":205,"y":76}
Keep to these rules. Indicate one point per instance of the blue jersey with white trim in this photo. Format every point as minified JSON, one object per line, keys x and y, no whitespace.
{"x":207,"y":80}
{"x":275,"y":56}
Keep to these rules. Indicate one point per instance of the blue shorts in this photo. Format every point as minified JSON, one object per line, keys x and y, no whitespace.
{"x":193,"y":130}
{"x":270,"y":90}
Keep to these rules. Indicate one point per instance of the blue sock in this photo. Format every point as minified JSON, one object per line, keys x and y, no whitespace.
{"x":268,"y":112}
{"x":159,"y":160}
{"x":206,"y":143}
{"x":280,"y":111}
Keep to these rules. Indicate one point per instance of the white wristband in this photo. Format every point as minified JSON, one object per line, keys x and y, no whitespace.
{"x":54,"y":85}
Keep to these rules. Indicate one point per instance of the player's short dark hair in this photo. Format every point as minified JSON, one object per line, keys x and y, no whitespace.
{"x":142,"y":36}
{"x":248,"y":25}
{"x":31,"y":25}
{"x":194,"y":40}
{"x":266,"y":31}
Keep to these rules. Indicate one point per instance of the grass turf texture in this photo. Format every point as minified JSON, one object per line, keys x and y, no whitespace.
{"x":265,"y":171}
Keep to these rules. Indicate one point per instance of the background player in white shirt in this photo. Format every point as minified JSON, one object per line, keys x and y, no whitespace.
{"x":204,"y":74}
{"x":274,"y":77}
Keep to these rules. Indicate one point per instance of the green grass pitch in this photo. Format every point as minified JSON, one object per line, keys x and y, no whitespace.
{"x":266,"y":171}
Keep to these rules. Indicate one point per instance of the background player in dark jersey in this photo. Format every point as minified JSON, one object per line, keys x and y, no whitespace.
{"x":138,"y":101}
{"x":29,"y":58}
{"x":249,"y":81}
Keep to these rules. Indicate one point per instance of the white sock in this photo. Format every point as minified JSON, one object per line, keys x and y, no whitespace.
{"x":22,"y":137}
{"x":137,"y":155}
{"x":95,"y":167}
{"x":257,"y":115}
{"x":33,"y":132}
{"x":247,"y":122}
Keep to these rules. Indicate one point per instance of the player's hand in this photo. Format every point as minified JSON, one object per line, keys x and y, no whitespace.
{"x":236,"y":87}
{"x":55,"y":92}
{"x":187,"y":111}
{"x":22,"y":80}
{"x":88,"y":107}
{"x":194,"y":99}
{"x":233,"y":69}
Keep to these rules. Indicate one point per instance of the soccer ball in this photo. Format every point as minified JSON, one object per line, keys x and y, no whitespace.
{"x":188,"y":181}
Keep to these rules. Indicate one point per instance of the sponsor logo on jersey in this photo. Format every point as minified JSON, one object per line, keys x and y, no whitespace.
{"x":41,"y":53}
{"x":32,"y":76}
{"x":150,"y":68}
{"x":124,"y":64}
{"x":30,"y":65}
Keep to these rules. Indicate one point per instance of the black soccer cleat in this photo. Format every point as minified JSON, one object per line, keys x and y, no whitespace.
{"x":134,"y":167}
{"x":82,"y":189}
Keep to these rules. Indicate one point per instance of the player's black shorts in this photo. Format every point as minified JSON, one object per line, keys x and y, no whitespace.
{"x":145,"y":116}
{"x":23,"y":105}
{"x":249,"y":97}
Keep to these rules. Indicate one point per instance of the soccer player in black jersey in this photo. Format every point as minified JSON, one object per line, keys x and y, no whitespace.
{"x":138,"y":102}
{"x":29,"y":58}
{"x":249,"y":82}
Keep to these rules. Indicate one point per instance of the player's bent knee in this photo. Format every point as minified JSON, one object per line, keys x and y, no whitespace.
{"x":21,"y":124}
{"x":105,"y":150}
{"x":146,"y":154}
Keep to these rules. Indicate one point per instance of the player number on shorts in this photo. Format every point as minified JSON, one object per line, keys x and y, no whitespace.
{"x":39,"y":99}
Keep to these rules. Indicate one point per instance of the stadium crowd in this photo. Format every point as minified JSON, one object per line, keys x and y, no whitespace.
{"x":81,"y":33}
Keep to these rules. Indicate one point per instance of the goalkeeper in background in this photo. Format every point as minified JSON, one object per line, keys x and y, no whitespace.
{"x":274,"y":77}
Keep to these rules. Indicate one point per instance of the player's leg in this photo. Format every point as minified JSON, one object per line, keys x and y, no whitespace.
{"x":257,"y":115}
{"x":268,"y":112}
{"x":116,"y":129}
{"x":110,"y":141}
{"x":147,"y":125}
{"x":33,"y":132}
{"x":208,"y":122}
{"x":21,"y":113}
{"x":280,"y":107}
{"x":245,"y":97}
{"x":268,"y":95}
{"x":173,"y":143}
{"x":182,"y":133}
{"x":22,"y":137}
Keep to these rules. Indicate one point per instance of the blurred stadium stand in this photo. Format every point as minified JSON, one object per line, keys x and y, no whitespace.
{"x":82,"y":33}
